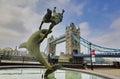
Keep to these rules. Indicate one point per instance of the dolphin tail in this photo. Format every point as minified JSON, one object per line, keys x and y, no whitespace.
{"x":54,"y":68}
{"x":23,"y":45}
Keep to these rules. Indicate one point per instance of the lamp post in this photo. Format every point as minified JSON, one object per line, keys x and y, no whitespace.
{"x":0,"y":58}
{"x":91,"y":56}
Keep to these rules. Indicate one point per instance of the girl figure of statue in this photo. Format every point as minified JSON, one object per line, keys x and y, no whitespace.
{"x":54,"y":18}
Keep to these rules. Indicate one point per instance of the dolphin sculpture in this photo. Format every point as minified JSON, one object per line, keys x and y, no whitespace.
{"x":33,"y":45}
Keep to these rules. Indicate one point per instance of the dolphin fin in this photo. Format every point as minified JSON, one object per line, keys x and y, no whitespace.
{"x":23,"y":45}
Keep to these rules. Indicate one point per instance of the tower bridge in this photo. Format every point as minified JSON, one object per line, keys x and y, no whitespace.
{"x":73,"y":41}
{"x":71,"y":45}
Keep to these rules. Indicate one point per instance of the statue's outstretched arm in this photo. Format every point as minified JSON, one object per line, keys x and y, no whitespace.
{"x":63,"y":11}
{"x":41,"y":25}
{"x":54,"y":10}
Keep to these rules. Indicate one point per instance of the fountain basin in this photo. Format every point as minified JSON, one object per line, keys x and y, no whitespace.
{"x":36,"y":72}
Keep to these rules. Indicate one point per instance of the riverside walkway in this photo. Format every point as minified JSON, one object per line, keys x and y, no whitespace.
{"x":108,"y":71}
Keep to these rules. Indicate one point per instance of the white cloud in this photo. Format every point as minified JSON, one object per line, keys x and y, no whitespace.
{"x":116,"y":24}
{"x":78,"y":9}
{"x":112,"y":39}
{"x":17,"y":20}
{"x":7,"y":33}
{"x":74,"y":9}
{"x":11,"y":12}
{"x":109,"y":39}
{"x":84,"y":29}
{"x":58,"y":2}
{"x":70,"y":7}
{"x":84,"y":32}
{"x":63,"y":1}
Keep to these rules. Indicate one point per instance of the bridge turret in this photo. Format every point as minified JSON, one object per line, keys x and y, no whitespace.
{"x":51,"y":48}
{"x":72,"y":45}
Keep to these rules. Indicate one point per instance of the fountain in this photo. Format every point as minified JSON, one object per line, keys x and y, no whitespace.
{"x":33,"y":43}
{"x":37,"y":72}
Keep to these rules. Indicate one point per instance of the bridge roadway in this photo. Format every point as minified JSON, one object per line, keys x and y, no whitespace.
{"x":114,"y":55}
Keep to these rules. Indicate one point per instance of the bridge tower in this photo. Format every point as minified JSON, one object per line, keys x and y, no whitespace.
{"x":72,"y":45}
{"x":51,"y":47}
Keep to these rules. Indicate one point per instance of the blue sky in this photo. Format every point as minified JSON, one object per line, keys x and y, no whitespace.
{"x":99,"y":20}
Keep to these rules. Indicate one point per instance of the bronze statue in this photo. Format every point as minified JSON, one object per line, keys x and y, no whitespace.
{"x":53,"y":19}
{"x":46,"y":18}
{"x":33,"y":43}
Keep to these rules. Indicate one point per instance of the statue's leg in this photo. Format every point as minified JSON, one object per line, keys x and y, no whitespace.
{"x":41,"y":25}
